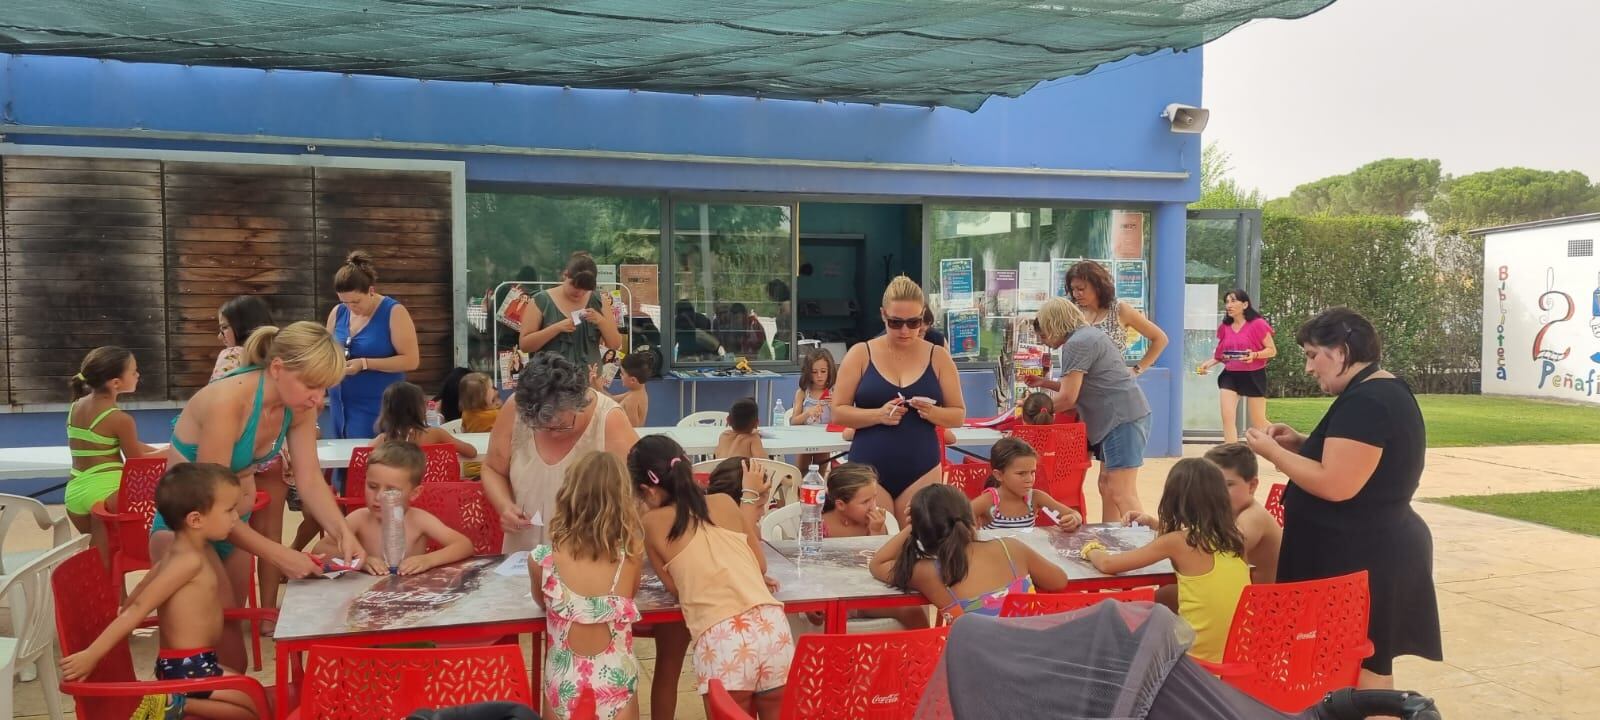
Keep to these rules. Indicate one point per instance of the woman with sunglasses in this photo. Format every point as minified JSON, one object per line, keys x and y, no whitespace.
{"x":898,"y":391}
{"x":1095,"y":382}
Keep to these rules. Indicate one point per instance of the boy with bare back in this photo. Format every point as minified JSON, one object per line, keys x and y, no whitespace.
{"x":199,"y":502}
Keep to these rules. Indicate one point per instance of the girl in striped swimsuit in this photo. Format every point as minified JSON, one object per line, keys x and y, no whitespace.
{"x":1010,"y":502}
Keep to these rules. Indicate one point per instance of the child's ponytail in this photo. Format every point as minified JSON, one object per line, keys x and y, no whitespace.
{"x":658,"y":461}
{"x":941,"y":528}
{"x":100,"y":366}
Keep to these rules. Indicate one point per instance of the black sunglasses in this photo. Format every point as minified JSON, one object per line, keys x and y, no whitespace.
{"x":897,"y":323}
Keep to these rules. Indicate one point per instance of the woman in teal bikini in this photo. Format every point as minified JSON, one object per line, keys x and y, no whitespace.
{"x":243,"y":420}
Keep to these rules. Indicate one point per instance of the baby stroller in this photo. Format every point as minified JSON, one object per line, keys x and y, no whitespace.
{"x":1110,"y":661}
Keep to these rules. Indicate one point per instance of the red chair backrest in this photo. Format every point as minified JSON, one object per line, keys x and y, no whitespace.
{"x":1275,"y":501}
{"x":463,"y":507}
{"x":1063,"y":459}
{"x":379,"y":683}
{"x":865,"y":675}
{"x":137,"y":496}
{"x":969,"y":477}
{"x":86,"y":602}
{"x":1030,"y":604}
{"x":355,"y":477}
{"x":1302,"y":638}
{"x":443,"y":463}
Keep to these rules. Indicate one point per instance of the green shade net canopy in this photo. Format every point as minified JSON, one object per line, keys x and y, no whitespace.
{"x":953,"y":53}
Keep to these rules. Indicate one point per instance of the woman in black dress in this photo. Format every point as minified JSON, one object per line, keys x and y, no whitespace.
{"x":1348,"y":505}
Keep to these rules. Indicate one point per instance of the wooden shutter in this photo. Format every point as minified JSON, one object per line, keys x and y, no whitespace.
{"x":233,"y":229}
{"x":403,"y":218}
{"x":83,"y":268}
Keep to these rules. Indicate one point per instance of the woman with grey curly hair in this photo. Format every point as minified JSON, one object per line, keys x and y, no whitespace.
{"x":552,"y":419}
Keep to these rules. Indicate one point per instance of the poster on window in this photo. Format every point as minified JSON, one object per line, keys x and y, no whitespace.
{"x":643,"y":283}
{"x":1000,"y":292}
{"x":1033,"y":285}
{"x":955,"y":283}
{"x":1127,"y":234}
{"x":1058,"y":276}
{"x":961,"y":329}
{"x":1129,"y":277}
{"x":1137,"y":343}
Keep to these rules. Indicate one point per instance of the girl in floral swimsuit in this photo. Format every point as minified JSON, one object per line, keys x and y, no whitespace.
{"x":585,"y":580}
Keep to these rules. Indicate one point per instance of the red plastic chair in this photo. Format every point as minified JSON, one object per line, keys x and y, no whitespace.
{"x":722,"y":705}
{"x":1275,"y":501}
{"x":443,"y":463}
{"x":355,"y":480}
{"x":1063,"y":459}
{"x":383,"y":683}
{"x":463,"y":507}
{"x":969,"y":477}
{"x":1291,"y":643}
{"x":86,"y":603}
{"x":866,"y":675}
{"x":1030,"y":604}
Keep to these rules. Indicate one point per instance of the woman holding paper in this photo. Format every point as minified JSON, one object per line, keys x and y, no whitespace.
{"x":897,"y":391}
{"x":572,"y":319}
{"x":1096,"y":296}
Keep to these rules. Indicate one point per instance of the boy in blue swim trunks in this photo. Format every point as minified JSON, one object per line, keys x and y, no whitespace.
{"x":198,"y":501}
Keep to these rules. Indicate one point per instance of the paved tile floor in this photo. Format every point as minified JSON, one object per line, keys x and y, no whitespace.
{"x":1520,"y":603}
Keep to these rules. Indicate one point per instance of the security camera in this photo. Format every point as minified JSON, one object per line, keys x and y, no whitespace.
{"x":1186,"y":118}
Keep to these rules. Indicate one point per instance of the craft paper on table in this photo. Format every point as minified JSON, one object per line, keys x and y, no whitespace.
{"x":1033,"y":285}
{"x":961,"y":329}
{"x":399,"y":601}
{"x":1000,"y":291}
{"x":955,"y":283}
{"x":1127,"y":234}
{"x":516,"y":564}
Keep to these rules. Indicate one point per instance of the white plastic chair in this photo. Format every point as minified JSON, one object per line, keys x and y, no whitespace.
{"x":454,"y":426}
{"x":13,"y":507}
{"x":28,"y":587}
{"x":785,"y":478}
{"x":705,"y":418}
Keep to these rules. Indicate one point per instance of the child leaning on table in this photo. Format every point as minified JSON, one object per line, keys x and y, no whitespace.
{"x":198,"y":501}
{"x":585,"y":580}
{"x":1199,"y":536}
{"x":398,"y":466}
{"x":708,"y":554}
{"x":939,"y":555}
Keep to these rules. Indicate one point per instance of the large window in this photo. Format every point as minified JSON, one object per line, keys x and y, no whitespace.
{"x":528,"y":238}
{"x":987,"y":265}
{"x":732,"y":274}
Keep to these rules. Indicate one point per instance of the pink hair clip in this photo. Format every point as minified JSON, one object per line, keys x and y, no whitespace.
{"x":653,"y":477}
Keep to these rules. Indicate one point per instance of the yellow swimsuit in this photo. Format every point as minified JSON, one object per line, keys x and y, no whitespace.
{"x":88,"y":487}
{"x":1207,"y":602}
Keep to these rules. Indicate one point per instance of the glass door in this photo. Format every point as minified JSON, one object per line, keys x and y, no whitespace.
{"x":1224,"y":252}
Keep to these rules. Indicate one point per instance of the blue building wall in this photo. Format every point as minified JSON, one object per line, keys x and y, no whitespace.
{"x":1105,"y":121}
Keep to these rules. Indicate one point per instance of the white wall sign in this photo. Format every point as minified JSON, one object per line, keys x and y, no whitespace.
{"x":1541,"y":314}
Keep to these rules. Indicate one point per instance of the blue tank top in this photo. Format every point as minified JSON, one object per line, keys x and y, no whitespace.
{"x":363,"y":391}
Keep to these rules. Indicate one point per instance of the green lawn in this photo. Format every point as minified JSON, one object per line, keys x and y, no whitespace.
{"x":1573,"y":510}
{"x":1471,"y":420}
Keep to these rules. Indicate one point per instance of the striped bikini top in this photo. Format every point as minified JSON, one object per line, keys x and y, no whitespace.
{"x":1005,"y":522}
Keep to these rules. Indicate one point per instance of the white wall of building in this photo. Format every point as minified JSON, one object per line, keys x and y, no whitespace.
{"x":1541,"y":313}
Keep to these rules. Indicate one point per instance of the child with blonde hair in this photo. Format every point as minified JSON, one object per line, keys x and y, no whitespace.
{"x":585,"y":580}
{"x":480,"y":404}
{"x":100,"y":435}
{"x":1008,"y":501}
{"x":708,"y":554}
{"x":398,"y":466}
{"x":1198,"y":534}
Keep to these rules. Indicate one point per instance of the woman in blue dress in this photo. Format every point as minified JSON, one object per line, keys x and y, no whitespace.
{"x":380,"y":346}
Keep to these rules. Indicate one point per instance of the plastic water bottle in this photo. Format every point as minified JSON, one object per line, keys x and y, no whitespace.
{"x":780,"y":417}
{"x":812,"y":495}
{"x":392,"y":521}
{"x":435,"y":417}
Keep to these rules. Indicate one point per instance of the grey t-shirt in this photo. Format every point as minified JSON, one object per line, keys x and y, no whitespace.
{"x":1109,"y":396}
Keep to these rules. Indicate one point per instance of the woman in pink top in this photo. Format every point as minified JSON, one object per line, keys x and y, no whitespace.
{"x":1244,"y":344}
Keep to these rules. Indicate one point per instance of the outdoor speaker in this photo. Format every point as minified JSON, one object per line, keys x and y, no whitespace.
{"x":1186,"y":118}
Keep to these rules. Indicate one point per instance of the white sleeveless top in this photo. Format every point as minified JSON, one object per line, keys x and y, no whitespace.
{"x":534,"y":482}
